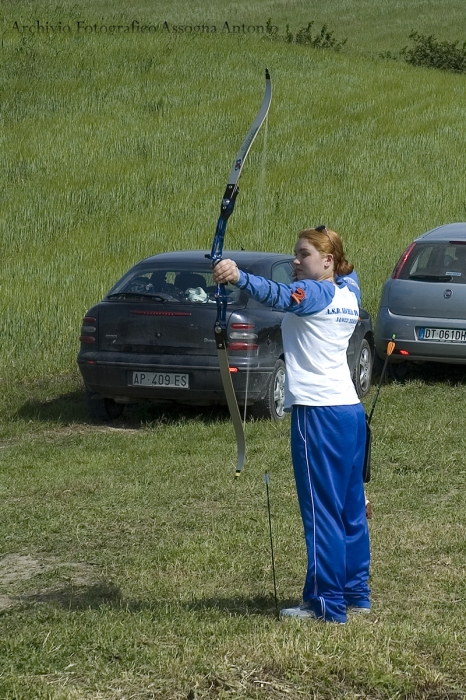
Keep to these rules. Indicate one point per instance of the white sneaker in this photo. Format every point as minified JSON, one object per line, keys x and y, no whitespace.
{"x":358,"y":609}
{"x":299,"y":611}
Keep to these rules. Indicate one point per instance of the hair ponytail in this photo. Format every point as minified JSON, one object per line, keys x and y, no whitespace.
{"x":327,"y":242}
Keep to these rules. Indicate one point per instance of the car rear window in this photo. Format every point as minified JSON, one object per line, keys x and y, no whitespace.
{"x":436,"y":262}
{"x":283,"y":272}
{"x":171,"y":284}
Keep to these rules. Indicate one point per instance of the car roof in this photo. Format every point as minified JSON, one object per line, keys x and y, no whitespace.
{"x":447,"y":232}
{"x":242,"y":257}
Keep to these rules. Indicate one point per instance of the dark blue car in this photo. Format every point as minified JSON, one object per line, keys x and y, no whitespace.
{"x":151,"y":338}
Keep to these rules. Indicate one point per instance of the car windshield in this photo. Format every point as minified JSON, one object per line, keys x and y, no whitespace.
{"x":170,"y":284}
{"x":436,"y":262}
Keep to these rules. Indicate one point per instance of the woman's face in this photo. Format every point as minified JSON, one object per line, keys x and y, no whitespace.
{"x":309,"y":264}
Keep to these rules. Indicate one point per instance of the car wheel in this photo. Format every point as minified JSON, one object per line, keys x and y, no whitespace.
{"x":398,"y":371}
{"x":102,"y":410}
{"x":363,"y":369}
{"x":272,"y":406}
{"x":377,"y":367}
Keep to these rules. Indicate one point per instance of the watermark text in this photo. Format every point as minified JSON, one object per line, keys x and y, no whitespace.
{"x":83,"y":27}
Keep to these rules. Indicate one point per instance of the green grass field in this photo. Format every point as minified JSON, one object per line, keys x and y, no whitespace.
{"x":132,"y":565}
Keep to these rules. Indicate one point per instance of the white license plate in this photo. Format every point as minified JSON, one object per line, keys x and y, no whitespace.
{"x":161,"y":379}
{"x":442,"y":335}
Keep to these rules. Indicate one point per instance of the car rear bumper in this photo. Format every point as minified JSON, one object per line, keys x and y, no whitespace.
{"x":112,"y":377}
{"x":406,"y":331}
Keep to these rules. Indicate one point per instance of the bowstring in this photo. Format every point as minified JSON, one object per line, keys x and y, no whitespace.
{"x":259,"y":225}
{"x":261,"y":189}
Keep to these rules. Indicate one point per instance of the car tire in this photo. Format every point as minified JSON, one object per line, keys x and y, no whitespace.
{"x":398,"y":371}
{"x":362,"y":374}
{"x":272,"y":406}
{"x":102,"y":410}
{"x":377,"y":368}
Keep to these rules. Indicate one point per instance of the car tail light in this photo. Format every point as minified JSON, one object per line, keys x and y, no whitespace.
{"x":401,"y":262}
{"x":88,"y":329}
{"x":241,"y":337}
{"x":87,"y":339}
{"x":236,"y":345}
{"x":404,"y":352}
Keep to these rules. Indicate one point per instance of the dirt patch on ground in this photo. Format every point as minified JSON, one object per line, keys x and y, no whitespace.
{"x":16,"y":568}
{"x":69,"y":432}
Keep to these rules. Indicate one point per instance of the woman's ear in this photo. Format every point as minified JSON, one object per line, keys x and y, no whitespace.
{"x":328,"y":260}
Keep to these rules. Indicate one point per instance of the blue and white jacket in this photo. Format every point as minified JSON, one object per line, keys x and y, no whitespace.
{"x":316,"y":332}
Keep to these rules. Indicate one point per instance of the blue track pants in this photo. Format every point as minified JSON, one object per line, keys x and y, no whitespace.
{"x":327,"y":447}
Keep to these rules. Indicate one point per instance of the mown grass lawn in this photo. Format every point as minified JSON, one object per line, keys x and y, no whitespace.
{"x":132,"y":563}
{"x":135,"y":565}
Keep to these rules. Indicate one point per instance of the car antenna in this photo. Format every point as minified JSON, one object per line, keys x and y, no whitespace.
{"x":235,"y":241}
{"x":241,"y":247}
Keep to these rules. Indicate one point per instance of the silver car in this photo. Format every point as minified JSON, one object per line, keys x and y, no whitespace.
{"x":423,"y":303}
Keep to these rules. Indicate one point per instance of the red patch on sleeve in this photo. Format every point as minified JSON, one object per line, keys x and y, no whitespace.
{"x":298,"y":295}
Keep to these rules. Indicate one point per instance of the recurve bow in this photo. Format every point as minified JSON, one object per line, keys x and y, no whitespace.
{"x":220,"y":328}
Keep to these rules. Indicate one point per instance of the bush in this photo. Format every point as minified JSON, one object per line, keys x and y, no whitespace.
{"x":323,"y":40}
{"x":429,"y":52}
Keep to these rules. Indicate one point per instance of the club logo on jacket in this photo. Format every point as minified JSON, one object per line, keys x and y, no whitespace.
{"x":343,"y":314}
{"x":299,"y":295}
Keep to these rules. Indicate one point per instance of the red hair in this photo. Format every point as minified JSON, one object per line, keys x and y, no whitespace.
{"x":327,"y":242}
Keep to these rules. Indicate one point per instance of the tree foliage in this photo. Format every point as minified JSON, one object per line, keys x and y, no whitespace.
{"x":322,"y":40}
